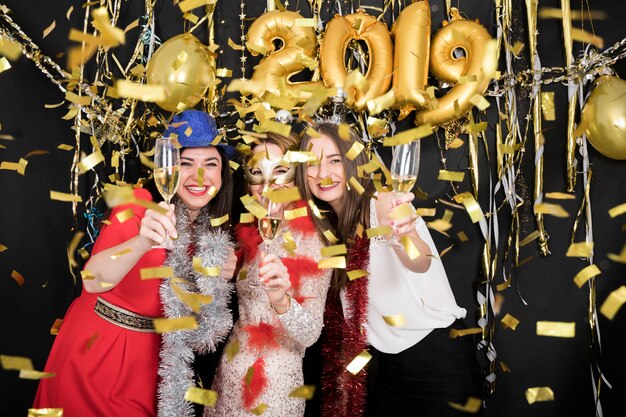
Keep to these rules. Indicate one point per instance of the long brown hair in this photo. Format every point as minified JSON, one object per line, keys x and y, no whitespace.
{"x":355,"y":208}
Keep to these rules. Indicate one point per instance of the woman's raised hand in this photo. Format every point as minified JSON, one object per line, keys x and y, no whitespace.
{"x":228,"y":269}
{"x":406,"y":224}
{"x":274,"y":277}
{"x":155,"y":227}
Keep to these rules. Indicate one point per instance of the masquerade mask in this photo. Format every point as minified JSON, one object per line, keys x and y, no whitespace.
{"x":267,"y":163}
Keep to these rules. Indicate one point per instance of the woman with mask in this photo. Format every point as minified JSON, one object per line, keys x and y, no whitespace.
{"x":281,"y":299}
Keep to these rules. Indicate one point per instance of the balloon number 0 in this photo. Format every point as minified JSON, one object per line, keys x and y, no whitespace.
{"x":462,"y":54}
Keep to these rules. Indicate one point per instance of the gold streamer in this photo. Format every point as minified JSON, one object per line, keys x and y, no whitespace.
{"x":531,"y":15}
{"x":614,"y":302}
{"x":573,"y":101}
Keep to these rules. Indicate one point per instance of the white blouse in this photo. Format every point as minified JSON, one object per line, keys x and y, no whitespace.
{"x":424,"y":300}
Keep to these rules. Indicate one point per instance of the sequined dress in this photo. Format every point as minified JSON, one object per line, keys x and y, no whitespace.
{"x":267,"y":365}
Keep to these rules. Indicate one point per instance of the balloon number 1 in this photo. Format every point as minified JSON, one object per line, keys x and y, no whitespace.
{"x":462,"y":54}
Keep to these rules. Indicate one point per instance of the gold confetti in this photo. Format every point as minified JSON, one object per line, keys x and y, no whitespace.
{"x":18,"y":277}
{"x":235,"y":46}
{"x":509,"y":322}
{"x":402,"y":211}
{"x":409,"y":247}
{"x":49,"y":29}
{"x":614,"y":302}
{"x":131,"y":25}
{"x":197,"y":395}
{"x":356,"y":274}
{"x":296,"y":213}
{"x":621,"y":258}
{"x":538,"y":394}
{"x":305,"y":391}
{"x":170,"y":325}
{"x":359,"y":362}
{"x":32,"y":374}
{"x":532,"y":236}
{"x":395,"y":320}
{"x":121,"y":253}
{"x":479,"y":101}
{"x":330,"y":236}
{"x":617,"y":210}
{"x":232,"y":349}
{"x":354,"y":150}
{"x":56,"y":326}
{"x":454,"y":333}
{"x":124,"y":215}
{"x":462,"y":236}
{"x":157,"y":272}
{"x":378,"y":231}
{"x":253,"y":206}
{"x":580,"y":250}
{"x":334,"y":262}
{"x":246,"y":218}
{"x":65,"y":147}
{"x":560,"y":196}
{"x":91,"y":340}
{"x":192,"y":300}
{"x":455,"y":176}
{"x":476,"y":127}
{"x":504,"y":367}
{"x":587,"y":37}
{"x":506,"y":284}
{"x":10,"y":49}
{"x":223,"y":72}
{"x":333,"y":250}
{"x":554,"y":13}
{"x":3,"y":248}
{"x":4,"y":64}
{"x":471,"y":206}
{"x":586,"y":274}
{"x":45,"y":412}
{"x":285,"y":195}
{"x":472,"y":405}
{"x":356,"y":185}
{"x":111,"y":35}
{"x":547,"y":105}
{"x":58,"y":196}
{"x":306,"y":22}
{"x":272,"y":126}
{"x":408,"y":136}
{"x":16,"y":363}
{"x":187,"y":5}
{"x":259,"y":409}
{"x":556,"y":329}
{"x":86,"y":275}
{"x":220,"y":221}
{"x":552,"y":209}
{"x":143,"y":92}
{"x":426,"y":212}
{"x":209,"y":271}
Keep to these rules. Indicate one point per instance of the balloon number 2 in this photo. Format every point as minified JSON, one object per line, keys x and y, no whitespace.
{"x":462,"y":54}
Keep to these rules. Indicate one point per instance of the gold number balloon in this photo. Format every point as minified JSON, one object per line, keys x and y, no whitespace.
{"x":411,"y":33}
{"x":181,"y":65}
{"x":477,"y":66}
{"x":297,"y":51}
{"x":603,"y":118}
{"x":359,"y":26}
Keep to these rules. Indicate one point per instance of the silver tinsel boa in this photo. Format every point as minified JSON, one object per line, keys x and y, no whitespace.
{"x":215,"y":319}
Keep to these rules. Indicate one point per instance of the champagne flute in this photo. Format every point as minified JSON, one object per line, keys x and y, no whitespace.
{"x":269,"y":225}
{"x":404,"y":168}
{"x":166,"y":174}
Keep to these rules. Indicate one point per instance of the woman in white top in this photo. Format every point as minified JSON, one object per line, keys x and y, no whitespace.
{"x":399,"y":310}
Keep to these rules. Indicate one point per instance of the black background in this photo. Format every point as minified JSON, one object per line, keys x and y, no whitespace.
{"x":37,"y":230}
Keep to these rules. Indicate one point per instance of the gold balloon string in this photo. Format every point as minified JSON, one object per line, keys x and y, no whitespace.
{"x":531,"y":14}
{"x":571,"y":109}
{"x":242,"y":38}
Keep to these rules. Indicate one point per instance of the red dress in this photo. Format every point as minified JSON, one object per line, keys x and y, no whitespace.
{"x":103,"y":369}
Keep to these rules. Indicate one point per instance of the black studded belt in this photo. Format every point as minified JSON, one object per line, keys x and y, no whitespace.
{"x":123,"y":318}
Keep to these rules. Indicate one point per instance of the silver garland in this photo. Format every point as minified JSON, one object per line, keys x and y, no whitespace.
{"x":215,"y":319}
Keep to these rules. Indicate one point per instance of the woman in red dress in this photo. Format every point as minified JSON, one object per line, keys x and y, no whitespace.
{"x":106,"y":354}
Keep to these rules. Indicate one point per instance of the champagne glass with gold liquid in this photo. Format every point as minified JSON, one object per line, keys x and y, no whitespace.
{"x":404,"y":168}
{"x":166,"y":173}
{"x":269,"y":225}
